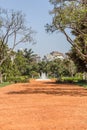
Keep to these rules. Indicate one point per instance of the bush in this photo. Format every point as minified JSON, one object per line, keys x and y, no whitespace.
{"x":79,"y":75}
{"x":65,"y":80}
{"x":69,"y":79}
{"x":18,"y":79}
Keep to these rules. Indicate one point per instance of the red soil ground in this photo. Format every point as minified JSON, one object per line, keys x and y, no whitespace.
{"x":43,"y":106}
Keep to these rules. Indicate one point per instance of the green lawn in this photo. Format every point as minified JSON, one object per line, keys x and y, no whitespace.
{"x":4,"y":84}
{"x":84,"y":84}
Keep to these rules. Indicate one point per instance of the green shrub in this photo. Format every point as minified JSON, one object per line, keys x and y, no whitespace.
{"x":79,"y":75}
{"x":18,"y":79}
{"x":69,"y":79}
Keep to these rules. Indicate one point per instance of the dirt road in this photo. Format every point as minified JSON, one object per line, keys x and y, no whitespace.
{"x":43,"y":106}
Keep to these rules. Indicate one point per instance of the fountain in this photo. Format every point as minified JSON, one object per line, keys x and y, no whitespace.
{"x":43,"y":77}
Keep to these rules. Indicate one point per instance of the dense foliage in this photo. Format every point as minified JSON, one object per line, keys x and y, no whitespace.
{"x":13,"y":31}
{"x":23,"y":65}
{"x":71,"y":15}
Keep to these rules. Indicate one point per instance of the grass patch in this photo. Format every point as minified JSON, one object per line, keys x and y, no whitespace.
{"x":82,"y":83}
{"x":4,"y":84}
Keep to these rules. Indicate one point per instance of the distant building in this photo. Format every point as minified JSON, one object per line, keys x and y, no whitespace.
{"x":36,"y":58}
{"x":53,"y":56}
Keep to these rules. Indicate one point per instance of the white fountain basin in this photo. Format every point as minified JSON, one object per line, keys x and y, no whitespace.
{"x":43,"y":79}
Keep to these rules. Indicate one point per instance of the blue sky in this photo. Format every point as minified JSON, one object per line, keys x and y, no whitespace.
{"x":37,"y":15}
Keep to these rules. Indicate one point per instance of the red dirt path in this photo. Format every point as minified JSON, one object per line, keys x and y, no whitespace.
{"x":43,"y":106}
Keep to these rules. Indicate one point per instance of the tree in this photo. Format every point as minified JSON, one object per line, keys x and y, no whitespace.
{"x":72,"y":15}
{"x":13,"y":31}
{"x":81,"y":65}
{"x":8,"y":69}
{"x":69,"y":67}
{"x":31,"y":67}
{"x":20,"y":62}
{"x":59,"y":68}
{"x":42,"y":67}
{"x":29,"y":55}
{"x":24,"y":62}
{"x":54,"y":68}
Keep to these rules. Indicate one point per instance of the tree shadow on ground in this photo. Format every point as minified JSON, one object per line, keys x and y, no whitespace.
{"x":57,"y":90}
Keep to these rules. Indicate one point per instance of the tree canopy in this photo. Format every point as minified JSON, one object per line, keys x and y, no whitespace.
{"x":13,"y":31}
{"x":71,"y":15}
